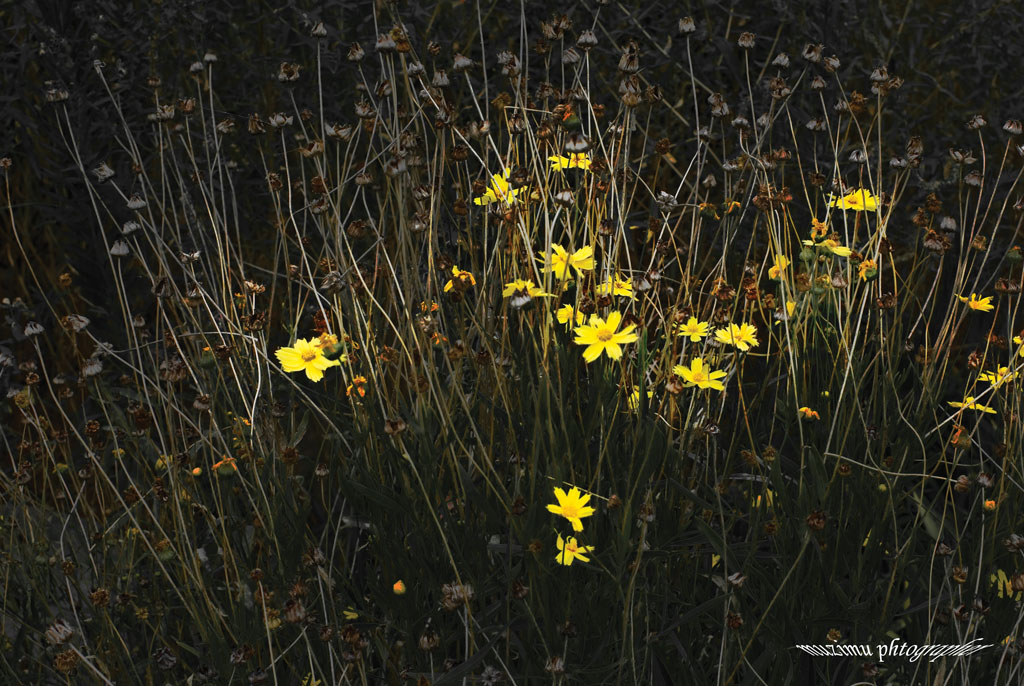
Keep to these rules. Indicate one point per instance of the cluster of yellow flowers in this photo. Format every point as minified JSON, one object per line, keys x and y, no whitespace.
{"x":573,"y":506}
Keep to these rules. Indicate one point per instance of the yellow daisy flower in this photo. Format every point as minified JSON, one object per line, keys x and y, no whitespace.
{"x":573,"y":506}
{"x":976,"y":303}
{"x":616,"y":285}
{"x":781,"y":262}
{"x":602,"y":336}
{"x":633,"y":400}
{"x":570,"y":550}
{"x":808,"y":413}
{"x":569,"y":316}
{"x":461,"y":279}
{"x":521,"y":291}
{"x":693,"y":328}
{"x":742,"y":336}
{"x":832,"y":245}
{"x":865,"y":268}
{"x":560,"y":261}
{"x":576,"y":160}
{"x":307,"y":356}
{"x":499,"y":190}
{"x":998,"y":377}
{"x":700,"y":376}
{"x":969,"y":403}
{"x":858,"y":201}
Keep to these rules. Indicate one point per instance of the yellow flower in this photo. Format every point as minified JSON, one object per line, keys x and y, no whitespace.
{"x":602,"y":336}
{"x":350,"y":614}
{"x":742,"y":336}
{"x":357,"y":387}
{"x":568,"y":315}
{"x":461,"y":279}
{"x":399,"y":587}
{"x":522,"y":286}
{"x":781,"y":262}
{"x":560,"y":261}
{"x":832,"y":245}
{"x":700,"y":376}
{"x":976,"y":303}
{"x":1003,"y":585}
{"x":864,"y":267}
{"x":616,"y":286}
{"x":768,"y":498}
{"x":570,"y":550}
{"x":633,"y":401}
{"x":970,"y":404}
{"x":998,"y":377}
{"x":326,"y":340}
{"x":576,"y":160}
{"x":858,"y":201}
{"x":499,"y":190}
{"x":818,"y":229}
{"x":808,"y":413}
{"x":305,"y":356}
{"x":573,"y":506}
{"x":696,"y":330}
{"x":990,"y":505}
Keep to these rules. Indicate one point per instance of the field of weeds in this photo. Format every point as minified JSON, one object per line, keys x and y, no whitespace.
{"x":477,"y":344}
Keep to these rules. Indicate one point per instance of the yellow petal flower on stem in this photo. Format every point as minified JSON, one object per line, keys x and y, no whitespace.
{"x":1004,"y":586}
{"x":969,"y":403}
{"x":808,"y":413}
{"x":569,"y":316}
{"x":616,"y":285}
{"x":573,"y":506}
{"x":700,"y":376}
{"x":559,"y":261}
{"x":570,"y":550}
{"x":461,"y":279}
{"x":305,"y":355}
{"x":499,"y":190}
{"x":694,"y":329}
{"x":781,"y":262}
{"x":1000,"y":376}
{"x":858,"y":201}
{"x":976,"y":303}
{"x":576,"y":160}
{"x":602,"y":336}
{"x":742,"y":336}
{"x":633,"y":400}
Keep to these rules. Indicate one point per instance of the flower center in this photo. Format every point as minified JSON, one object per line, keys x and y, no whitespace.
{"x":571,"y":547}
{"x":604,"y":335}
{"x":309,"y":355}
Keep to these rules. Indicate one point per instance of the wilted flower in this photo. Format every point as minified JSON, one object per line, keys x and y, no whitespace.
{"x":288,"y":71}
{"x":103,"y":172}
